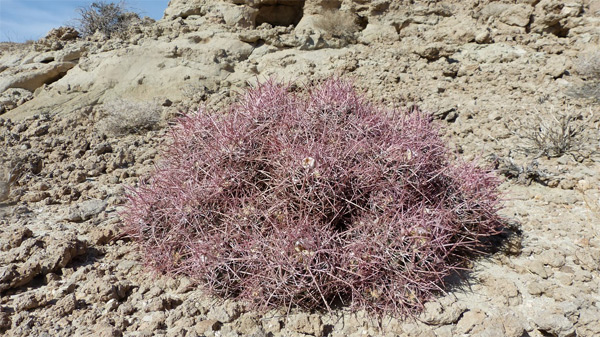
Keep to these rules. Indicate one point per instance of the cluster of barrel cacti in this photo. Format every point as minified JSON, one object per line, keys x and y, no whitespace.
{"x":313,"y":198}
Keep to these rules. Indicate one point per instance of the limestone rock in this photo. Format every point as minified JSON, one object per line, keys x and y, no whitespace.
{"x":86,"y":210}
{"x":517,"y":15}
{"x":550,"y":16}
{"x":13,"y":98}
{"x":33,"y":76}
{"x":207,"y":325}
{"x":435,"y":51}
{"x":445,"y":312}
{"x":553,"y":323}
{"x":30,"y":260}
{"x":304,"y":323}
{"x":62,"y":34}
{"x":377,"y":32}
{"x":483,"y":37}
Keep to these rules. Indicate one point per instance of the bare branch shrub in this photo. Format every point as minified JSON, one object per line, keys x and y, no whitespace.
{"x":107,"y":18}
{"x":290,"y":199}
{"x":337,"y":23}
{"x":550,"y":133}
{"x":120,"y":117}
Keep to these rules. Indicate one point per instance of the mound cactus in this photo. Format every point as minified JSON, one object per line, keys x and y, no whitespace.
{"x":308,"y":199}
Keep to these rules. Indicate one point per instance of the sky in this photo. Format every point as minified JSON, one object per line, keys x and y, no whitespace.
{"x":22,"y":20}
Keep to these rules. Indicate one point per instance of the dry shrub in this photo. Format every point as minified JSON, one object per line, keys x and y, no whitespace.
{"x":120,"y":117}
{"x":308,"y":199}
{"x":107,"y":18}
{"x":337,"y":23}
{"x":551,"y":132}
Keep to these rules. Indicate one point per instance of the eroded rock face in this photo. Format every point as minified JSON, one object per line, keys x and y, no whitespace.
{"x":35,"y":257}
{"x":32,"y":76}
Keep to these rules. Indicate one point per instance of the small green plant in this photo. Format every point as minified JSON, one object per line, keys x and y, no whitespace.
{"x":107,"y":18}
{"x":120,"y":117}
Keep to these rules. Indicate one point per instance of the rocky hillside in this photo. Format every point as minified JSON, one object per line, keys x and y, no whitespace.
{"x":82,"y":119}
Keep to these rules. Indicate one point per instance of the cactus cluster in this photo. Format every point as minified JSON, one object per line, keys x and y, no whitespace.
{"x":313,"y":198}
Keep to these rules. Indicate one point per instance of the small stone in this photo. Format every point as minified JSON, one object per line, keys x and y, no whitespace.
{"x":41,"y":130}
{"x":35,"y":196}
{"x":567,"y":184}
{"x":102,"y":148}
{"x":77,"y":177}
{"x":26,"y":301}
{"x":111,"y":305}
{"x":553,"y":258}
{"x":304,"y":323}
{"x":5,"y":321}
{"x":588,"y":258}
{"x":503,"y":288}
{"x":208,"y":325}
{"x":535,"y":288}
{"x":483,"y":37}
{"x":513,"y":325}
{"x":550,"y":323}
{"x":537,"y":267}
{"x":436,"y":313}
{"x":66,"y":305}
{"x":16,"y":238}
{"x":86,"y":210}
{"x":469,"y":320}
{"x":588,"y":324}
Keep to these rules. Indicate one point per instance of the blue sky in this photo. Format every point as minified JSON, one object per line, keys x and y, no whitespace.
{"x":22,"y":20}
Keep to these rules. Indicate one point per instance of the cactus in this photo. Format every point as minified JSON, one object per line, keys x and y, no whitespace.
{"x":291,"y":199}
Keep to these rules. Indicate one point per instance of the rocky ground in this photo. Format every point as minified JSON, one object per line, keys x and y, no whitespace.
{"x":74,"y":135}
